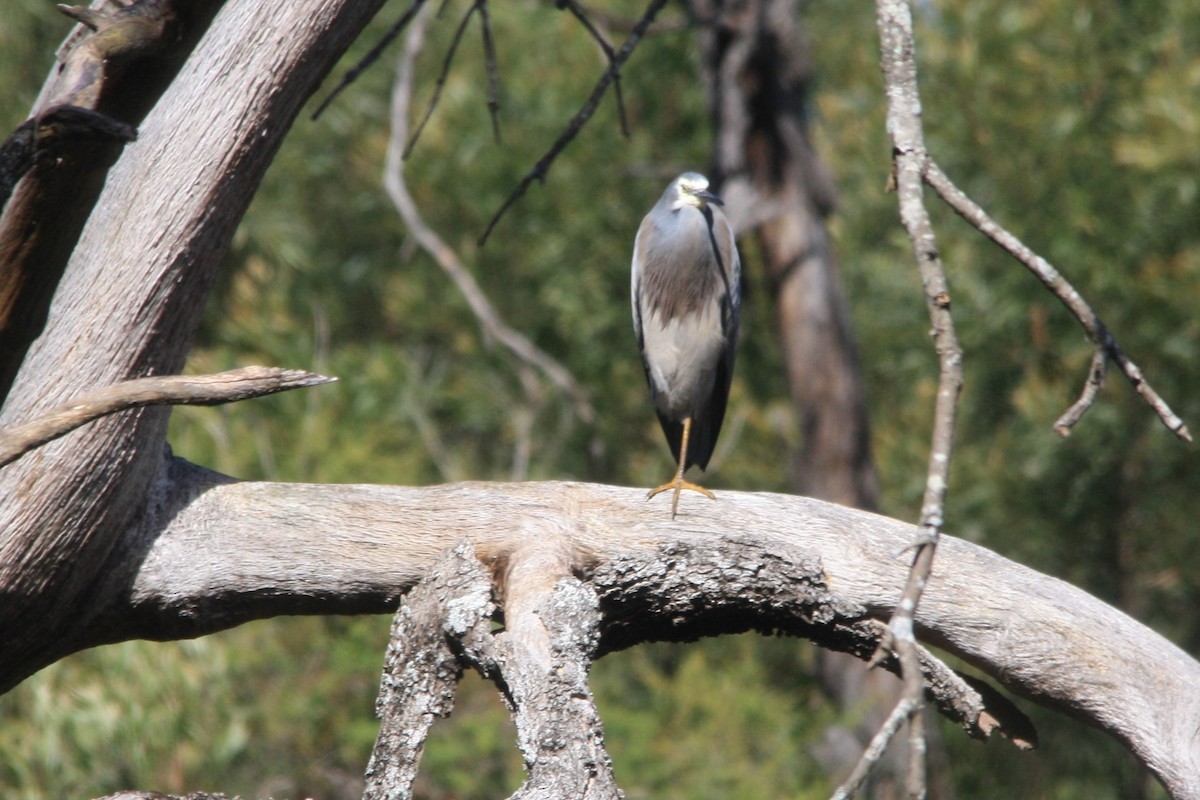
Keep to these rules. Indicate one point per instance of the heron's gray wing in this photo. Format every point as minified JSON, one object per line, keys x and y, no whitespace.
{"x":707,"y":426}
{"x":729,"y":266}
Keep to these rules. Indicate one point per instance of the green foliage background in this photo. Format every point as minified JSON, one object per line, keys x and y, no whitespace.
{"x":1076,"y":126}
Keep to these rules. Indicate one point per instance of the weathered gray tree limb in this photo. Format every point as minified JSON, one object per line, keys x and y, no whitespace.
{"x":213,"y":553}
{"x":552,"y":621}
{"x":539,"y":661}
{"x":196,"y":390}
{"x":131,"y":297}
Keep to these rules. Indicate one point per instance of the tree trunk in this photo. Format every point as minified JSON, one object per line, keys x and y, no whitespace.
{"x":130,"y":300}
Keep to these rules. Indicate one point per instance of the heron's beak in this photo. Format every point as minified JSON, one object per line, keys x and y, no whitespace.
{"x":709,"y":197}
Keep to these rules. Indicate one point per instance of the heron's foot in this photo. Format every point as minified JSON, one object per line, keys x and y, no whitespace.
{"x":679,"y":484}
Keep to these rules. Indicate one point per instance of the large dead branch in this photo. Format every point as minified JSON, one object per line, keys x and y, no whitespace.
{"x":104,"y":537}
{"x":130,"y":299}
{"x":540,"y":659}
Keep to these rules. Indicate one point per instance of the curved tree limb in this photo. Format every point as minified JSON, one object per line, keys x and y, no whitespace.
{"x":213,"y":553}
{"x":132,"y":295}
{"x":195,"y":390}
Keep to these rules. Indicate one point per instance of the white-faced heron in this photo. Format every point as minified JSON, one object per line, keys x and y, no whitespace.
{"x":686,"y":302}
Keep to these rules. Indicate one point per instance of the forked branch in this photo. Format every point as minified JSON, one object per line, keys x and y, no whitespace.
{"x":912,"y":167}
{"x":1106,"y":347}
{"x":898,"y":48}
{"x":539,"y":662}
{"x":553,"y":627}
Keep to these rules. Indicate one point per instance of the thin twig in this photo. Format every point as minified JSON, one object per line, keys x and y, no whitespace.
{"x":581,"y":117}
{"x":1106,"y":346}
{"x":193,"y":390}
{"x":441,"y":81}
{"x":445,"y":257}
{"x":1097,"y":373}
{"x":371,"y":57}
{"x":874,"y":751}
{"x":581,"y":15}
{"x":493,"y":72}
{"x":897,"y":47}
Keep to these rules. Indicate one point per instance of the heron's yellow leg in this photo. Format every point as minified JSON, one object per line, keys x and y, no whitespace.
{"x":679,"y":484}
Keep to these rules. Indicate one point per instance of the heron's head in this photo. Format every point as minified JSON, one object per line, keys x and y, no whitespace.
{"x":691,"y":189}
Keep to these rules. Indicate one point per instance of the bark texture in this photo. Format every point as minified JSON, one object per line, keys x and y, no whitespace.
{"x":213,"y":553}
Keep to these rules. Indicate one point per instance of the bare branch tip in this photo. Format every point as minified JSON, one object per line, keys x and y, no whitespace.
{"x":300,"y":378}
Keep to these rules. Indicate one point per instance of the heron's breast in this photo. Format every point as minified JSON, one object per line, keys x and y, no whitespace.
{"x":682,"y":355}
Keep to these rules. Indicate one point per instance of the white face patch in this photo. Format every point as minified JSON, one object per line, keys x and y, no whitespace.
{"x":686,"y":187}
